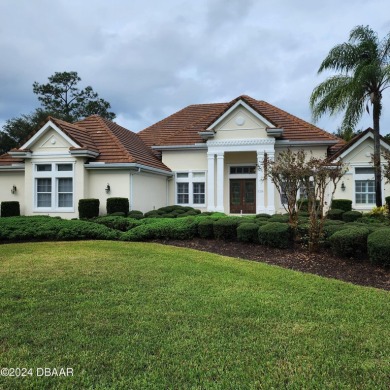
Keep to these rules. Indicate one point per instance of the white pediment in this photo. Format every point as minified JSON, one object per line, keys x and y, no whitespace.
{"x":49,"y":137}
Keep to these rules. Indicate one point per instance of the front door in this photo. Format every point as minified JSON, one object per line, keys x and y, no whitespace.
{"x":243,"y":196}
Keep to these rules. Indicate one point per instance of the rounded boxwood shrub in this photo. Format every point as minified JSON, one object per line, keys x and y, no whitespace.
{"x":342,"y":204}
{"x":263,"y":215}
{"x":279,"y":218}
{"x":335,"y":214}
{"x":351,"y":241}
{"x":276,"y":235}
{"x":117,"y":205}
{"x":378,"y":246}
{"x":151,"y":213}
{"x":135,"y":214}
{"x":206,"y":228}
{"x":351,"y":216}
{"x":10,"y":209}
{"x":89,"y":208}
{"x":226,"y":228}
{"x":248,"y":232}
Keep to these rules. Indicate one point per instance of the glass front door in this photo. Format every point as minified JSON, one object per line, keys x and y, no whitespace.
{"x":243,"y":196}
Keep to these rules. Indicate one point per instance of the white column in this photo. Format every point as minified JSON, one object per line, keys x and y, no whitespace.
{"x":260,"y":199}
{"x":210,"y":182}
{"x":270,"y":189}
{"x":220,"y":181}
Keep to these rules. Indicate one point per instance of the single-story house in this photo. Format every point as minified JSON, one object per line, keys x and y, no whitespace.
{"x":205,"y":156}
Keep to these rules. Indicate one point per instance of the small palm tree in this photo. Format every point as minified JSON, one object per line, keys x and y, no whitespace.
{"x":364,"y":66}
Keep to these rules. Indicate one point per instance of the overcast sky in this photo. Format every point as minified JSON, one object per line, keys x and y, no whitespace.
{"x":152,"y":58}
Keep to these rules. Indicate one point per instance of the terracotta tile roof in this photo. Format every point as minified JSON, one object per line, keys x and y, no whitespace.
{"x":357,"y":137}
{"x":117,"y":144}
{"x":182,"y":127}
{"x":6,"y":159}
{"x":114,"y":143}
{"x":76,"y":133}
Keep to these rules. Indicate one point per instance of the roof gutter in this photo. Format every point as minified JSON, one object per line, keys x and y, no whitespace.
{"x":180,"y":147}
{"x":304,"y":143}
{"x":13,"y":168}
{"x":128,"y":166}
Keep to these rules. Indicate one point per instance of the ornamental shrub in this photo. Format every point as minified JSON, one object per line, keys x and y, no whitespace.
{"x":49,"y":228}
{"x":135,"y":214}
{"x":378,"y":245}
{"x":276,"y":235}
{"x":88,"y":208}
{"x":351,"y":216}
{"x":263,"y":215}
{"x":248,"y":232}
{"x":117,"y":222}
{"x":179,"y":229}
{"x":387,"y":200}
{"x":279,"y":218}
{"x":342,"y":204}
{"x":117,"y":205}
{"x":351,"y":241}
{"x":335,"y":214}
{"x":10,"y":209}
{"x":226,"y":228}
{"x":206,"y":228}
{"x":151,"y":213}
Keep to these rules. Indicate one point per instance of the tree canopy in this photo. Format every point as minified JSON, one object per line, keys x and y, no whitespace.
{"x":363,"y":64}
{"x":60,"y":98}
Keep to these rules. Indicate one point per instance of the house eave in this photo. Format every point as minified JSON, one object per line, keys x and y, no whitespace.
{"x":126,"y":166}
{"x":181,"y":147}
{"x":13,"y":168}
{"x":287,"y":143}
{"x":20,"y":154}
{"x":84,"y":153}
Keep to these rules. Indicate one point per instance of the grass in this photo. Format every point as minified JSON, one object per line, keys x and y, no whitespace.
{"x":146,"y":316}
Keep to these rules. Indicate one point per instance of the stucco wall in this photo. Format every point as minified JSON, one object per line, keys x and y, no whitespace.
{"x":119,"y":181}
{"x":8,"y":180}
{"x":148,"y":191}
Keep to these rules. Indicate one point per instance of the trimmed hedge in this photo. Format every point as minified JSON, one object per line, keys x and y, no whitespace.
{"x":117,"y":205}
{"x":351,"y":241}
{"x":178,"y":229}
{"x":88,"y":208}
{"x":226,"y":228}
{"x":263,"y":215}
{"x":248,"y":232}
{"x":135,"y":214}
{"x":206,"y":228}
{"x":279,"y":218}
{"x":276,"y":235}
{"x":39,"y":228}
{"x":117,"y":222}
{"x":351,"y":216}
{"x":378,"y":246}
{"x":341,"y":204}
{"x":10,"y":209}
{"x":336,"y":214}
{"x":387,"y":200}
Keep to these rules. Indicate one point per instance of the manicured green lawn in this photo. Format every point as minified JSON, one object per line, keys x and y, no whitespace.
{"x":145,"y":316}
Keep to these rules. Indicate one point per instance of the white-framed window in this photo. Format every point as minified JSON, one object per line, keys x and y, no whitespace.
{"x":54,"y":187}
{"x":364,"y":186}
{"x":191,"y":188}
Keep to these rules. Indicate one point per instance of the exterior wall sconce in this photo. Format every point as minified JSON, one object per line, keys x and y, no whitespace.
{"x":343,"y":186}
{"x":13,"y":189}
{"x":108,"y":189}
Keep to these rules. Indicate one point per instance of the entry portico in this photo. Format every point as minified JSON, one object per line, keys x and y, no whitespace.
{"x":261,"y":194}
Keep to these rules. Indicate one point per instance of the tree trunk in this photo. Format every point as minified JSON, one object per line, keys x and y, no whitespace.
{"x":377,"y":155}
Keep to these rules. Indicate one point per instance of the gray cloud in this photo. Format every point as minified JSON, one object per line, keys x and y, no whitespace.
{"x":149,"y":59}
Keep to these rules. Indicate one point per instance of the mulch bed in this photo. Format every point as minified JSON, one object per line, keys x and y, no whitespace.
{"x":360,"y":272}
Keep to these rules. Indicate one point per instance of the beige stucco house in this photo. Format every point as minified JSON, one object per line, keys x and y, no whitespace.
{"x":205,"y":156}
